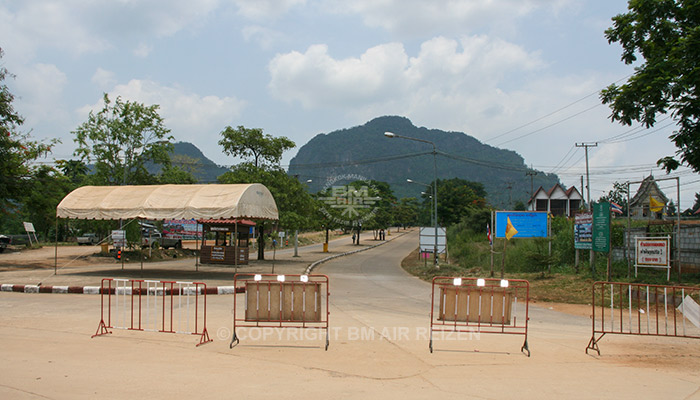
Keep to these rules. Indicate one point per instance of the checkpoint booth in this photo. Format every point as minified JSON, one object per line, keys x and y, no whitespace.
{"x":230,"y":243}
{"x":241,"y":203}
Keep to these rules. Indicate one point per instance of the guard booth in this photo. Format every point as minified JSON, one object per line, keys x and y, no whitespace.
{"x":231,"y":242}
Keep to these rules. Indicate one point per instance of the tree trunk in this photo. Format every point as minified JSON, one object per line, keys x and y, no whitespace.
{"x":261,"y":241}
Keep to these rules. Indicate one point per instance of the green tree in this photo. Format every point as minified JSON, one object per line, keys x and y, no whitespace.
{"x":120,"y":139}
{"x":75,"y":170}
{"x":17,"y":150}
{"x":455,"y":197}
{"x":46,"y":189}
{"x":666,"y":34}
{"x":406,"y":212}
{"x":264,"y":153}
{"x":618,"y":194}
{"x":294,"y":204}
{"x":251,"y":143}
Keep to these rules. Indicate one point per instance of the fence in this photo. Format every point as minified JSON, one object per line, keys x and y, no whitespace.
{"x":646,"y":310}
{"x":282,"y":301}
{"x":143,"y":305}
{"x":480,"y":306}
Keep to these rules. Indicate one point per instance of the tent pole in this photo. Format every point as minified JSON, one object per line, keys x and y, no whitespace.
{"x":235,"y":244}
{"x":196,"y":244}
{"x":55,"y":252}
{"x":141,"y":247}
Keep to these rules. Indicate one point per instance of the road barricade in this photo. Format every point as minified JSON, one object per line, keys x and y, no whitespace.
{"x":156,"y":306}
{"x":281,"y":301}
{"x":472,"y":305}
{"x":646,"y":310}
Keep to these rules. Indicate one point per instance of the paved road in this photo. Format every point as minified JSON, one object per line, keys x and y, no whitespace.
{"x":378,"y":350}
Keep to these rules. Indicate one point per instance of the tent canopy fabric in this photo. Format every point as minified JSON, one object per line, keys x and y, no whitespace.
{"x":158,"y":202}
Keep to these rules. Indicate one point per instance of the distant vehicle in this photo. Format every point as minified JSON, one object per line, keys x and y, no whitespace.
{"x":155,"y":239}
{"x":88,"y":239}
{"x":4,"y":242}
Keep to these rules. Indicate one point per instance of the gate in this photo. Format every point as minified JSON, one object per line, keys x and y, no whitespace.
{"x":281,"y":301}
{"x":645,"y":310}
{"x":472,"y":305}
{"x":143,"y":305}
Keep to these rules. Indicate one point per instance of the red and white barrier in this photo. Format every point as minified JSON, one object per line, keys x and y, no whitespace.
{"x":156,"y":306}
{"x":471,"y":305}
{"x":644,"y":310}
{"x":281,"y":301}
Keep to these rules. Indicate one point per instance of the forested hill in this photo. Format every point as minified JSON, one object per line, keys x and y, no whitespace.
{"x":365,"y":151}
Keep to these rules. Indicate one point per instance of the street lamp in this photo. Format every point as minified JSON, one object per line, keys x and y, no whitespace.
{"x":427,"y":194}
{"x":392,"y":135}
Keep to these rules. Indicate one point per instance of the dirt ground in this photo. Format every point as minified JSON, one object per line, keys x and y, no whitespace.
{"x":378,"y":349}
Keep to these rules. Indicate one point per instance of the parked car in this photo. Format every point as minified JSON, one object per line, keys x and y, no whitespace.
{"x":4,"y":242}
{"x":88,"y":239}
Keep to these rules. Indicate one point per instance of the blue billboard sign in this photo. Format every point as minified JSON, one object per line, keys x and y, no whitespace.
{"x":529,"y":224}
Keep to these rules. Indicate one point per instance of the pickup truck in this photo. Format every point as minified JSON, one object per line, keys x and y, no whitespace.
{"x":156,"y":239}
{"x":88,"y":239}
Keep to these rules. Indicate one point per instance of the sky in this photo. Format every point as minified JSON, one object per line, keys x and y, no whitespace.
{"x":522,"y":75}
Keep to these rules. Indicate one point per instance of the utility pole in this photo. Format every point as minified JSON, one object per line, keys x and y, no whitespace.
{"x":588,"y":179}
{"x":588,"y":194}
{"x":509,"y":186}
{"x":532,"y":174}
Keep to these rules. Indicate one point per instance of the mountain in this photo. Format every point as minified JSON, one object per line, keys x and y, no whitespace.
{"x":188,"y":157}
{"x":364,"y":152}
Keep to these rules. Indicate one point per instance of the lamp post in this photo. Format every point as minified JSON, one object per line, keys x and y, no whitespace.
{"x":392,"y":135}
{"x":432,"y":221}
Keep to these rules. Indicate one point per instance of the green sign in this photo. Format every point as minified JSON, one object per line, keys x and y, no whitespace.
{"x":601,"y":227}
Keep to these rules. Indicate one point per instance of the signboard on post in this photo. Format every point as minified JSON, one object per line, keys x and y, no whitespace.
{"x":119,"y":238}
{"x":529,"y":224}
{"x":583,"y":230}
{"x":427,"y":239}
{"x":601,"y":227}
{"x":652,"y":252}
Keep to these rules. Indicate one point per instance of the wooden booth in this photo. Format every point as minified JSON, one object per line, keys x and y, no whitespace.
{"x":230,"y":244}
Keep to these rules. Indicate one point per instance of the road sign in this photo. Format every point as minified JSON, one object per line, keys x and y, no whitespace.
{"x":529,"y":224}
{"x":427,"y":239}
{"x":601,"y":227}
{"x":119,"y":238}
{"x":583,"y":230}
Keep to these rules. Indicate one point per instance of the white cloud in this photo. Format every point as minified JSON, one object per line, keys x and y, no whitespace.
{"x":265,"y":37}
{"x":420,"y":17}
{"x":40,"y":89}
{"x":143,"y":50}
{"x":265,"y":9}
{"x":446,"y":74}
{"x":192,"y":117}
{"x":87,"y":26}
{"x":103,"y":79}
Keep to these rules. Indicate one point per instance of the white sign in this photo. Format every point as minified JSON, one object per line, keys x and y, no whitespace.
{"x":29,"y":227}
{"x":281,"y":234}
{"x":427,"y":239}
{"x":119,"y":238}
{"x":652,"y":251}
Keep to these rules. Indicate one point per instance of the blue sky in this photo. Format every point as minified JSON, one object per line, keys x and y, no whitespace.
{"x":516,"y":74}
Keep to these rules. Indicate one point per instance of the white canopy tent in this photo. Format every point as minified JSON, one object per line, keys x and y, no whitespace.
{"x":158,"y":202}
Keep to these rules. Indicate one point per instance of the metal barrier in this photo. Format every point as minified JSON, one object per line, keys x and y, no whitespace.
{"x":282,"y":301}
{"x":646,"y":310}
{"x":143,"y":305}
{"x":474,"y":305}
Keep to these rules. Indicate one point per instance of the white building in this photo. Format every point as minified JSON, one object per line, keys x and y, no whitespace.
{"x":557,"y":201}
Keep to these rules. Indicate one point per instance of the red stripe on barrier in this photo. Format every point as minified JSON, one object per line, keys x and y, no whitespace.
{"x":643,"y":310}
{"x":45,"y":289}
{"x":476,"y":306}
{"x":122,"y":306}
